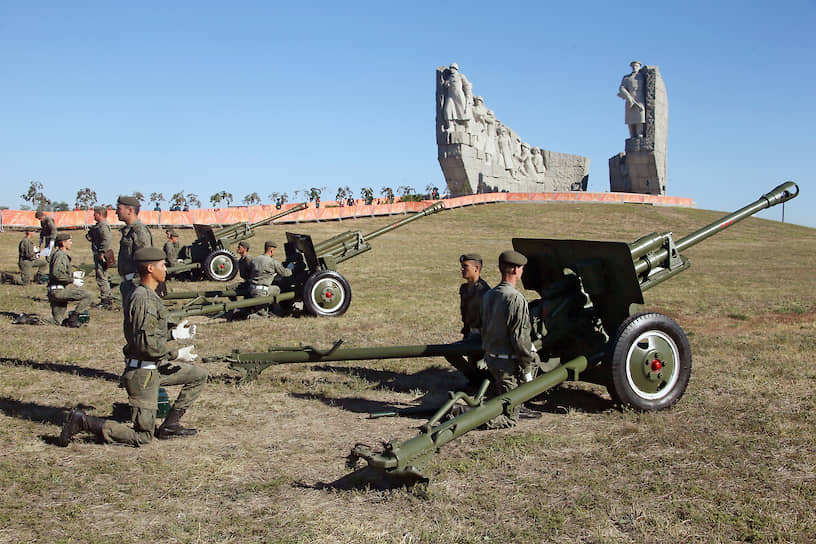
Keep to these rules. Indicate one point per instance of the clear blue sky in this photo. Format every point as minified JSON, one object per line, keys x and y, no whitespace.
{"x":264,"y":96}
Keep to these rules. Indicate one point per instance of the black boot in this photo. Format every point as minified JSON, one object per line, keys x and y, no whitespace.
{"x":171,"y":427}
{"x":72,"y":321}
{"x":77,"y":422}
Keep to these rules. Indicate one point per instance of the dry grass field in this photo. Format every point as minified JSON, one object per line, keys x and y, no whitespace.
{"x":733,"y":461}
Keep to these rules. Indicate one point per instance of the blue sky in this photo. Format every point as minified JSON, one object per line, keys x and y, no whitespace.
{"x":258,"y":97}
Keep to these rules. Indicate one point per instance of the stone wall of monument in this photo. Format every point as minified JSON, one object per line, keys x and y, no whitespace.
{"x":642,"y":167}
{"x":478,"y":153}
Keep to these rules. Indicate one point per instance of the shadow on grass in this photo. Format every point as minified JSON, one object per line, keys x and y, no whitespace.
{"x":428,"y":405}
{"x":82,"y":371}
{"x":563,"y":400}
{"x":33,"y":412}
{"x":429,"y":379}
{"x":367,"y":479}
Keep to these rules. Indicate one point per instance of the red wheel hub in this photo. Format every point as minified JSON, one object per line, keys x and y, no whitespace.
{"x":656,"y":365}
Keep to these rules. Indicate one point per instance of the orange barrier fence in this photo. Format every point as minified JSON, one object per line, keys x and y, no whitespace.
{"x":328,"y":211}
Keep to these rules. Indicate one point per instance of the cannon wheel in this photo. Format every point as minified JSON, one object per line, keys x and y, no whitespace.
{"x":651,"y":362}
{"x":220,"y":265}
{"x":326,"y":293}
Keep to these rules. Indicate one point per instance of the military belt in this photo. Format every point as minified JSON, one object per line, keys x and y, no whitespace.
{"x":136,"y":363}
{"x":500,"y":356}
{"x":52,"y":287}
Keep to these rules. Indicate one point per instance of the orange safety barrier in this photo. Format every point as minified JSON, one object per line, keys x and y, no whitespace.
{"x":329,"y":210}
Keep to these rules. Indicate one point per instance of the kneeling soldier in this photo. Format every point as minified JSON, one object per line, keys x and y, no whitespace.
{"x":150,"y":364}
{"x":64,"y":285}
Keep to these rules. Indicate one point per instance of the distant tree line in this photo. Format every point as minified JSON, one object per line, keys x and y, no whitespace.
{"x":181,"y":201}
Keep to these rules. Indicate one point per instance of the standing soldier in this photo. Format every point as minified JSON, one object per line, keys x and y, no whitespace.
{"x":506,"y":337}
{"x":28,"y":259}
{"x":265,"y":270}
{"x":135,"y":236}
{"x":100,"y":237}
{"x":150,"y":364}
{"x":171,"y":248}
{"x":48,"y":231}
{"x":64,"y":285}
{"x":470,"y":306}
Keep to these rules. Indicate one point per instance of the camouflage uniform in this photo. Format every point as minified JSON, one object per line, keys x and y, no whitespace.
{"x":265,"y":270}
{"x":470,"y":306}
{"x":507,"y":342}
{"x":146,"y":333}
{"x":61,"y":290}
{"x":100,"y":237}
{"x":171,"y":251}
{"x":48,"y":231}
{"x":27,"y":260}
{"x":135,"y":236}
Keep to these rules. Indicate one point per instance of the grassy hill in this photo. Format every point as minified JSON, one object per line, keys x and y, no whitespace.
{"x":733,"y":461}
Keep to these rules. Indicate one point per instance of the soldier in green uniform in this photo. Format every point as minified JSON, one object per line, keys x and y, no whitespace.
{"x":100,"y":237}
{"x":470,"y":306}
{"x":264,"y":271}
{"x":28,"y":259}
{"x":64,"y":286}
{"x":149,"y":365}
{"x":48,"y":231}
{"x":135,"y":236}
{"x":244,"y":268}
{"x":171,"y":248}
{"x":506,"y":336}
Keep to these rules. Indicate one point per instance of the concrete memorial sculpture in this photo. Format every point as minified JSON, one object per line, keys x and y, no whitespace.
{"x":642,"y":167}
{"x":478,"y":153}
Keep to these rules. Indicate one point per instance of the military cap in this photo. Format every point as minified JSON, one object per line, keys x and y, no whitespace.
{"x":128,"y":201}
{"x":268,"y":244}
{"x":512,"y":257}
{"x":62,"y":236}
{"x":244,"y":244}
{"x":100,"y":209}
{"x":148,"y":255}
{"x":172,"y":233}
{"x":470,"y":257}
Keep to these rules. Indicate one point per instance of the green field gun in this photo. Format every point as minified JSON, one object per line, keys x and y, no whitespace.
{"x":209,"y":256}
{"x":586,"y":326}
{"x":315,"y":281}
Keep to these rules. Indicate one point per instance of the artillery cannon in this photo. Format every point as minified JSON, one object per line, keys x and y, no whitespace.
{"x":585,"y":327}
{"x":315,"y":281}
{"x":209,"y":255}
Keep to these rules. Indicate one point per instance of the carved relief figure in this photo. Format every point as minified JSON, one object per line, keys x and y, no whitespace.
{"x":506,"y":148}
{"x":633,"y":90}
{"x":526,"y":167}
{"x":458,"y":95}
{"x":538,"y":160}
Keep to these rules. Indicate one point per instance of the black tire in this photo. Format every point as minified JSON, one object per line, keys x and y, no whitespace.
{"x":220,"y":265}
{"x":326,"y":293}
{"x":650,"y":362}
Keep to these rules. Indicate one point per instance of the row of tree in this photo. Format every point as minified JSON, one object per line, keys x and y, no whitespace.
{"x":86,"y":198}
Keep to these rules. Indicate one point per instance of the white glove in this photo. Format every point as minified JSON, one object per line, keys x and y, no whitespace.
{"x":186,"y":354}
{"x":37,"y":249}
{"x":527,"y":376}
{"x":79,"y":274}
{"x":78,"y":282}
{"x":182,"y":331}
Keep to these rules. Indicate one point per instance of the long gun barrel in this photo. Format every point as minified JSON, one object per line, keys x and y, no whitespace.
{"x":242,"y":231}
{"x":351,"y":243}
{"x":657,"y":257}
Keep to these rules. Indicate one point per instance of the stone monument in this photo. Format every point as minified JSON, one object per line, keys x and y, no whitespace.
{"x":642,"y":167}
{"x":479,"y":154}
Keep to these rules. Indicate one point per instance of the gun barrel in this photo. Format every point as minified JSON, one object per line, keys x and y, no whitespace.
{"x":218,"y":307}
{"x":643,"y":248}
{"x":433,"y":208}
{"x":293,"y":209}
